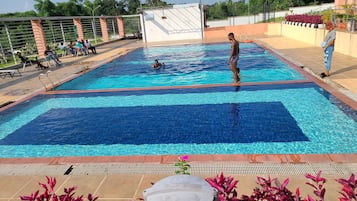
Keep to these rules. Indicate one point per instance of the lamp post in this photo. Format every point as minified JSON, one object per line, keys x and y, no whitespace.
{"x":248,"y":12}
{"x":93,"y":21}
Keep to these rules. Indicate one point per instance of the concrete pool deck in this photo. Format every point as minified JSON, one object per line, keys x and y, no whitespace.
{"x":125,"y":178}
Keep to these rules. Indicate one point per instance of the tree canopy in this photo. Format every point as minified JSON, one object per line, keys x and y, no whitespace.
{"x":219,"y":10}
{"x":222,"y":10}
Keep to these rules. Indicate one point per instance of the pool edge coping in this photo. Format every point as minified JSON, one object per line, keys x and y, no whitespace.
{"x":202,"y":158}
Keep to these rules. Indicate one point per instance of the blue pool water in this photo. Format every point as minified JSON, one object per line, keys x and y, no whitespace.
{"x":185,"y":65}
{"x":279,"y":119}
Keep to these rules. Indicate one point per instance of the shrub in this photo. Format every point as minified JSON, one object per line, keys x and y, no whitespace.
{"x":49,"y":193}
{"x":270,"y":189}
{"x":348,"y":188}
{"x":318,"y":185}
{"x":312,"y":19}
{"x":226,"y":187}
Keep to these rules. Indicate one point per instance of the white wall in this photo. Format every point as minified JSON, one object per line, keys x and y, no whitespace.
{"x":182,"y":22}
{"x":346,"y":41}
{"x":232,"y":21}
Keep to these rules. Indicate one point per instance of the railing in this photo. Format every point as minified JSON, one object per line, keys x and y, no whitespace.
{"x":18,"y":33}
{"x":48,"y":81}
{"x":345,"y":18}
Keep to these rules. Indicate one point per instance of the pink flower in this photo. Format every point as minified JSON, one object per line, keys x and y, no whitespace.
{"x":184,"y":158}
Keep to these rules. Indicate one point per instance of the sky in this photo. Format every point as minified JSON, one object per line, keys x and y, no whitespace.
{"x":26,"y":5}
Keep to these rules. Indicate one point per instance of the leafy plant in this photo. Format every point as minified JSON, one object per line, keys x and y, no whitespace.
{"x":312,"y":19}
{"x":29,"y":49}
{"x":50,"y":195}
{"x":183,"y":165}
{"x":349,"y":188}
{"x":327,"y":15}
{"x":318,"y":185}
{"x":226,"y":187}
{"x":349,"y":9}
{"x":271,"y":189}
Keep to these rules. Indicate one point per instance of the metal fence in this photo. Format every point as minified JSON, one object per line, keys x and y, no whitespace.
{"x":132,"y":25}
{"x":57,"y":31}
{"x":92,"y":30}
{"x":113,"y":31}
{"x":344,"y":18}
{"x":17,"y":33}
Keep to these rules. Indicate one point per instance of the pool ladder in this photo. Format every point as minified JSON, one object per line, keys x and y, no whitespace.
{"x":243,"y":37}
{"x":49,"y":80}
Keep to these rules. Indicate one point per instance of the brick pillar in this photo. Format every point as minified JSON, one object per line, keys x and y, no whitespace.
{"x":78,"y":24}
{"x":104,"y":27}
{"x":121,"y":27}
{"x":39,"y":36}
{"x":338,"y":4}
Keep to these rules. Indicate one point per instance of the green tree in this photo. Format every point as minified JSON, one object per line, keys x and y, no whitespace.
{"x":45,"y":8}
{"x":149,"y":3}
{"x":19,"y":14}
{"x":230,"y":8}
{"x":122,"y":8}
{"x":256,"y":6}
{"x":155,"y":3}
{"x":86,"y":5}
{"x":240,"y":8}
{"x":70,"y":8}
{"x":216,"y":11}
{"x":133,"y":5}
{"x":106,"y":7}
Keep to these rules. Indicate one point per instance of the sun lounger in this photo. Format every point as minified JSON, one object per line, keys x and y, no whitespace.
{"x":11,"y":73}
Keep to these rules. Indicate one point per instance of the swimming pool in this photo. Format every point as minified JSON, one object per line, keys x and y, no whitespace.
{"x":249,"y":119}
{"x":265,"y":119}
{"x":186,"y":65}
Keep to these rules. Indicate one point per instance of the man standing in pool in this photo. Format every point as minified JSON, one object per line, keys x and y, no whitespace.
{"x":157,"y":65}
{"x":233,"y":57}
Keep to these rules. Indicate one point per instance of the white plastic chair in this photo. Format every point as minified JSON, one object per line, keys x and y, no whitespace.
{"x":64,"y":52}
{"x":26,"y":63}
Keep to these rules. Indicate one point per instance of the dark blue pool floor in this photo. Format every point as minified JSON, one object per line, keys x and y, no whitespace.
{"x":218,"y":123}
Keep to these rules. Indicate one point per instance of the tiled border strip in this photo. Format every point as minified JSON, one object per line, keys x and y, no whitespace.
{"x":176,"y":87}
{"x":170,"y":159}
{"x":197,"y":168}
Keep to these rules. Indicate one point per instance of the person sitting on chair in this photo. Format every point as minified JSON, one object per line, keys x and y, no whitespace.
{"x":81,"y":48}
{"x":25,"y":59}
{"x":90,"y":46}
{"x":157,"y":65}
{"x":51,"y":55}
{"x":64,"y":48}
{"x":71,"y":48}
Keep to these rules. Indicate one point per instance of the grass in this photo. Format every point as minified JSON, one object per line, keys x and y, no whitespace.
{"x":7,"y":64}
